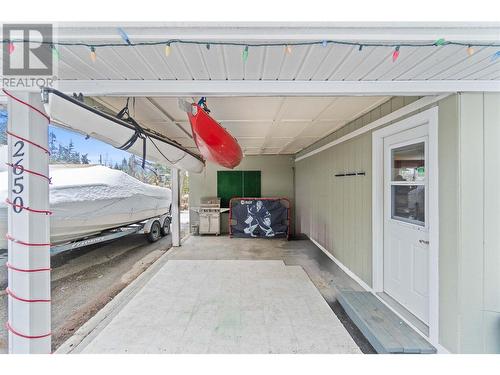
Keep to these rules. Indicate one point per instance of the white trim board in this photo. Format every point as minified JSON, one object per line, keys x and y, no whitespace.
{"x":429,"y":117}
{"x":176,"y":88}
{"x":351,"y":274}
{"x":365,"y":286}
{"x":412,"y":107}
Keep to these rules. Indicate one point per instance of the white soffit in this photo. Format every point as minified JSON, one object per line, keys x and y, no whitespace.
{"x":262,"y":125}
{"x":304,"y":63}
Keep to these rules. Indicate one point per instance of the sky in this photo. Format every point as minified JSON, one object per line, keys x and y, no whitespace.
{"x":91,"y":146}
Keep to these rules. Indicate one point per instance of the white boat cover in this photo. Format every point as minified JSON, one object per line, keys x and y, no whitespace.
{"x":87,"y":199}
{"x":72,"y":114}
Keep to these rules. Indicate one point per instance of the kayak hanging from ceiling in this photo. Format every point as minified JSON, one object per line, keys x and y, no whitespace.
{"x":215,"y":143}
{"x":120,"y":131}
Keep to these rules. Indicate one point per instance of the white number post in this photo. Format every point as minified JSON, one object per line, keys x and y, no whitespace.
{"x":28,"y":226}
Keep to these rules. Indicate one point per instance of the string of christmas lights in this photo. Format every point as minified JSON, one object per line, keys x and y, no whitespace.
{"x":441,"y":42}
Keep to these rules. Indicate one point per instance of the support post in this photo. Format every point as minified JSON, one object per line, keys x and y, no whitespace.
{"x":176,"y":218}
{"x":28,"y":226}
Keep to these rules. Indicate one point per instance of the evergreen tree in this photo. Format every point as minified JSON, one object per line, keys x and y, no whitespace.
{"x":85,"y":159}
{"x":3,"y":127}
{"x":52,"y":142}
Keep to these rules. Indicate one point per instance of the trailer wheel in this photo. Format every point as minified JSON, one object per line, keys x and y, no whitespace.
{"x":155,"y":232}
{"x":165,"y":230}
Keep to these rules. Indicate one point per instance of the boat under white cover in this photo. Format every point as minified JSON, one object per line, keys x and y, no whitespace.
{"x":87,"y":199}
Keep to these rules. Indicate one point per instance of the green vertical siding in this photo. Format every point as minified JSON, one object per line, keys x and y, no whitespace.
{"x":492,"y":222}
{"x":337,"y":212}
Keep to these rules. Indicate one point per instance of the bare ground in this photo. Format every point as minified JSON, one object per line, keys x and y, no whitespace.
{"x":85,"y":280}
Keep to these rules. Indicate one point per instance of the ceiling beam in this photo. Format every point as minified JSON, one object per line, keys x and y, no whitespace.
{"x":167,"y":116}
{"x":178,"y":88}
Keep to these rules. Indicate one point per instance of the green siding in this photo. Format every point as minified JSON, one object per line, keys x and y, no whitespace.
{"x":337,"y":213}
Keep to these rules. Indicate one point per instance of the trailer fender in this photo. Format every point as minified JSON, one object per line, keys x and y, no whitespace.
{"x":147,"y":226}
{"x":149,"y":222}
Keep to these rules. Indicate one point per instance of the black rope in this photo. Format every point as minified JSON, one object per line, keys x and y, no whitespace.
{"x":139,"y":133}
{"x":169,"y":42}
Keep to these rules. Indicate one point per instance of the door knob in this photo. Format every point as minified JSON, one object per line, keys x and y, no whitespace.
{"x":424,"y":242}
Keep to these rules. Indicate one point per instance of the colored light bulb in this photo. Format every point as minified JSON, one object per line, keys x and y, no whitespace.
{"x":395,"y":54}
{"x":245,"y":54}
{"x":124,"y":35}
{"x":440,"y":42}
{"x":11,"y":48}
{"x":324,"y":43}
{"x":167,"y":50}
{"x":93,"y":54}
{"x":470,"y":51}
{"x":288,"y":49}
{"x":55,"y":52}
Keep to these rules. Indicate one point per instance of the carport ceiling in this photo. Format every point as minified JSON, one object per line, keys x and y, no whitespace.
{"x":262,"y":125}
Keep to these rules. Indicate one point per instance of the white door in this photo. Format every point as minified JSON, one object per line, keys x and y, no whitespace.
{"x":406,"y":224}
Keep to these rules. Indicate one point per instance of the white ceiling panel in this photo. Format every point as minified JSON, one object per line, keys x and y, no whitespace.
{"x":321,"y":129}
{"x":247,"y":129}
{"x":378,"y":56}
{"x":214,"y":62}
{"x":261,"y":124}
{"x":347,"y":108}
{"x":331,"y":63}
{"x":439,"y":58}
{"x":255,"y":63}
{"x":488,"y":72}
{"x":408,"y":61}
{"x":304,"y":108}
{"x":288,"y":129}
{"x":250,"y":142}
{"x":479,"y":67}
{"x":84,"y":66}
{"x":194,"y":60}
{"x":277,"y":142}
{"x":272,"y":62}
{"x":312,"y":61}
{"x":465,"y":62}
{"x":292,"y":63}
{"x":233,"y":61}
{"x":244,"y":107}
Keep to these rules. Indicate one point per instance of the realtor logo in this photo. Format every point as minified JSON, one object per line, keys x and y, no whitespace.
{"x":27,"y":50}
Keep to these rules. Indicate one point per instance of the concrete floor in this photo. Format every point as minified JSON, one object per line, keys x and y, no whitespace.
{"x":222,"y":295}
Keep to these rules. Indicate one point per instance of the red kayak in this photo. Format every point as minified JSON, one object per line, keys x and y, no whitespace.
{"x":215,"y":143}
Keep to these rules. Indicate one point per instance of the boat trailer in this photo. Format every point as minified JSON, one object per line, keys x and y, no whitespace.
{"x":153,"y":228}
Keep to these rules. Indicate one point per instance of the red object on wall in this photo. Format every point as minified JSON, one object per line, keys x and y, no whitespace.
{"x":215,"y":143}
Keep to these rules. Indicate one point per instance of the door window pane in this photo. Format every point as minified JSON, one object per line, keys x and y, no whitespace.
{"x":408,"y":163}
{"x":408,"y":203}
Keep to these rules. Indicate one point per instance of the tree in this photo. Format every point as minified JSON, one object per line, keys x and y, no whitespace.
{"x":85,"y":159}
{"x":52,"y":142}
{"x":3,"y":127}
